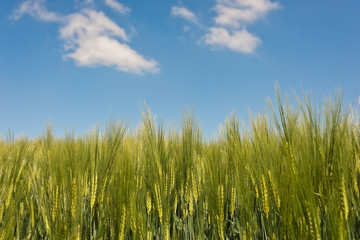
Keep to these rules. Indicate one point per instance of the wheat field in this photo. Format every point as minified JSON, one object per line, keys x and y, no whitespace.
{"x":291,"y":173}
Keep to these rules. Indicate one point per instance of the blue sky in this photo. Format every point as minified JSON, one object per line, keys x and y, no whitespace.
{"x":78,"y":63}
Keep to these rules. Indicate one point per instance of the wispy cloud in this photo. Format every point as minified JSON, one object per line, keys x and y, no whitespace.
{"x":233,"y":16}
{"x":92,"y":39}
{"x":238,"y":13}
{"x":117,"y":6}
{"x":36,"y":9}
{"x":84,"y":3}
{"x":183,"y":12}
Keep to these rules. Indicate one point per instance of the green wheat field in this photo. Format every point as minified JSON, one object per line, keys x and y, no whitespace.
{"x":291,"y":173}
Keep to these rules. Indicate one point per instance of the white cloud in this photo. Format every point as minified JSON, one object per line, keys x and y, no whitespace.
{"x":92,"y":40}
{"x":240,"y":41}
{"x":231,"y":21}
{"x":89,"y":24}
{"x":236,"y":13}
{"x":36,"y":9}
{"x":117,"y":6}
{"x":184,"y":13}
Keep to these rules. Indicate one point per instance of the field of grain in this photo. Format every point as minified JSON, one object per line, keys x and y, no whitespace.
{"x":293,"y":173}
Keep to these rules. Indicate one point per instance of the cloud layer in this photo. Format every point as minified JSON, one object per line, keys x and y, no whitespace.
{"x":91,"y":38}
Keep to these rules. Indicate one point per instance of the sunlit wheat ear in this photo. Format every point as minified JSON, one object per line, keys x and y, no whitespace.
{"x":200,"y":174}
{"x":290,"y":153}
{"x":273,"y":237}
{"x":355,"y":184}
{"x":206,"y":204}
{"x":27,"y":203}
{"x":9,"y":195}
{"x":148,"y":202}
{"x":158,"y":202}
{"x":166,"y":225}
{"x":102,"y":194}
{"x":19,"y":173}
{"x":2,"y":235}
{"x":318,"y":223}
{"x":191,"y":203}
{"x":356,"y":162}
{"x":232,"y":201}
{"x":274,"y":193}
{"x":220,"y":228}
{"x":55,"y":204}
{"x":159,"y":168}
{"x":187,"y":187}
{"x":122,"y":224}
{"x":149,"y":235}
{"x":310,"y":224}
{"x":111,"y":232}
{"x":343,"y":197}
{"x":85,"y":184}
{"x":47,"y":225}
{"x":93,"y":191}
{"x":220,"y":195}
{"x":73,"y":197}
{"x":243,"y":235}
{"x":172,"y":174}
{"x":140,"y":226}
{"x":253,"y":183}
{"x":194,"y":186}
{"x":32,"y":213}
{"x":264,"y":196}
{"x":182,"y":189}
{"x":1,"y":211}
{"x":166,"y":185}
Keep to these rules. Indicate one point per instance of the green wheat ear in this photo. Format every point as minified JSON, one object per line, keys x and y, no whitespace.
{"x":343,"y":197}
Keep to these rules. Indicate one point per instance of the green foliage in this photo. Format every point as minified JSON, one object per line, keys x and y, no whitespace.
{"x":293,"y":175}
